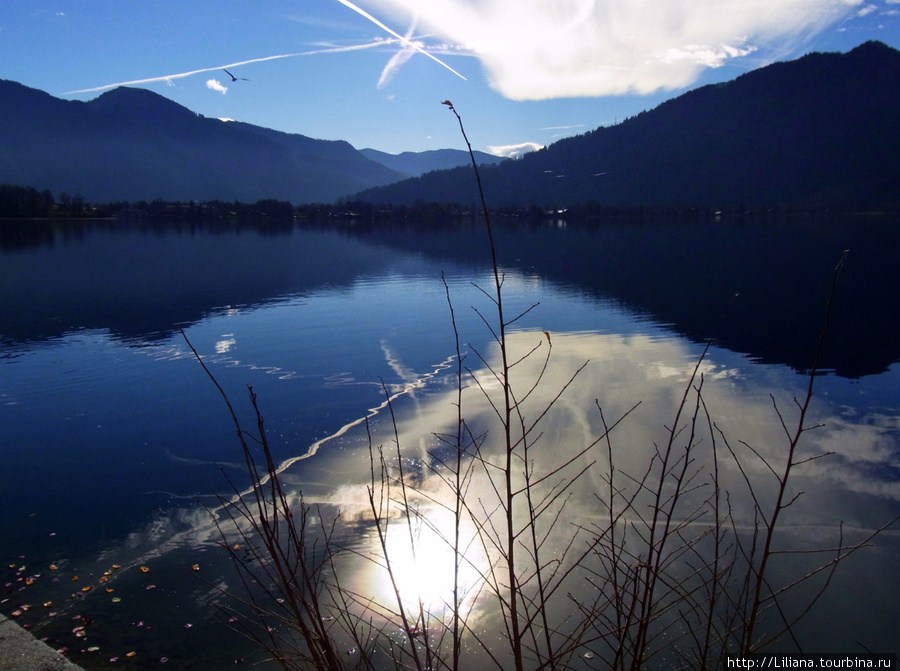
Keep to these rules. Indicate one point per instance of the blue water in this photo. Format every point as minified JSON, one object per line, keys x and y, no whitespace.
{"x":115,"y":441}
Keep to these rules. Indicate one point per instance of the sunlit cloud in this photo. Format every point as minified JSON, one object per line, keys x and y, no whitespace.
{"x":541,"y":49}
{"x":215,"y":85}
{"x":705,"y":55}
{"x":514,"y":150}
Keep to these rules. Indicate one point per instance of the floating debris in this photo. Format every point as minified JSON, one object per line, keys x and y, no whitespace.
{"x":195,"y":567}
{"x":144,"y":569}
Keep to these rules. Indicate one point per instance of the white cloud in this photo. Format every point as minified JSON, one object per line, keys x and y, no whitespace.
{"x":705,"y":55}
{"x":215,"y":85}
{"x":514,"y":150}
{"x":540,"y":49}
{"x":868,"y":9}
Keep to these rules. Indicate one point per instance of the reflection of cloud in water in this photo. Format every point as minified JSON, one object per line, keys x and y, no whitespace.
{"x":857,"y":484}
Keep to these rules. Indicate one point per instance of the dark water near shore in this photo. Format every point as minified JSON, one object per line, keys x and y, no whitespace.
{"x":114,"y":441}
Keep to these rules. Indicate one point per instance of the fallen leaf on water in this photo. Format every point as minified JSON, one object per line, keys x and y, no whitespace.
{"x":109,"y":589}
{"x":93,"y":648}
{"x":116,"y":567}
{"x":74,"y":578}
{"x":17,"y":613}
{"x":131,"y":654}
{"x":188,"y":625}
{"x":47,"y":604}
{"x":144,"y":569}
{"x":114,"y":659}
{"x":87,"y":589}
{"x":195,"y":567}
{"x":53,"y":567}
{"x":151,"y":586}
{"x":116,"y":599}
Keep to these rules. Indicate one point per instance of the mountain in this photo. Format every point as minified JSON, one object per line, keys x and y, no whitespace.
{"x":823,"y":130}
{"x":132,"y":144}
{"x":414,"y":164}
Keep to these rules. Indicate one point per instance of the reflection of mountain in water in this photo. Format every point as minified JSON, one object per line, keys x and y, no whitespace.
{"x":758,"y":289}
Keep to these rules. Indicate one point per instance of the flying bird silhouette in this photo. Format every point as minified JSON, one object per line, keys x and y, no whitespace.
{"x":233,"y":78}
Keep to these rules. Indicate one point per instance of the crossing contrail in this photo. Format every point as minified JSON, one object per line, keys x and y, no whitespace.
{"x":405,"y":41}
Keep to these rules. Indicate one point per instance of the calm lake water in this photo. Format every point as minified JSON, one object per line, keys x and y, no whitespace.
{"x":115,"y":444}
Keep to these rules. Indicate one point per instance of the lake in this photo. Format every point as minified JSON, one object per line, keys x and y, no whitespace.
{"x":117,"y":447}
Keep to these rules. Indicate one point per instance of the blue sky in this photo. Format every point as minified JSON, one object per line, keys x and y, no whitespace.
{"x":374,"y":72}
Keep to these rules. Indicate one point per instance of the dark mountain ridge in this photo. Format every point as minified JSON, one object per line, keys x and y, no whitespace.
{"x":132,"y":144}
{"x":820,"y":131}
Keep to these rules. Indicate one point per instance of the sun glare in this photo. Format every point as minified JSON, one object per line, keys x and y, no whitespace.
{"x":423,"y":564}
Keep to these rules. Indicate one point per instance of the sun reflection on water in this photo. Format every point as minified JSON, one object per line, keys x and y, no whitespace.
{"x":422,"y":564}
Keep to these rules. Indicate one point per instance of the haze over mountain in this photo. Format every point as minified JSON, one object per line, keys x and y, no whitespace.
{"x":414,"y":164}
{"x":823,"y":130}
{"x":132,"y":144}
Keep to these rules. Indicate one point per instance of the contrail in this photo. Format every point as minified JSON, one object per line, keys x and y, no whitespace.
{"x":182,"y":75}
{"x":403,"y":40}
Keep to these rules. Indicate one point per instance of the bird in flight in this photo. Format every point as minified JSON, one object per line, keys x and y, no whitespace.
{"x":233,"y":78}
